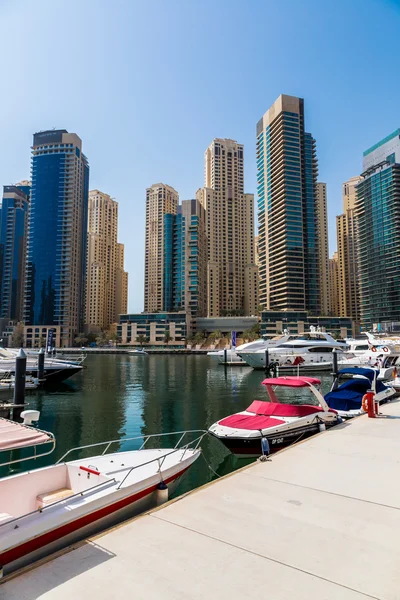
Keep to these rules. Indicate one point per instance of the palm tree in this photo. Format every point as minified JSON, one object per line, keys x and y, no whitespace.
{"x":80,"y":339}
{"x":167,"y":338}
{"x":141,"y":339}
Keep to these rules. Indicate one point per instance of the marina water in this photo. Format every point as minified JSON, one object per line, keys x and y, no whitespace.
{"x":118,"y":396}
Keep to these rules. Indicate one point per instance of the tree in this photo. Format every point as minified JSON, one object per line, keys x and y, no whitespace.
{"x":81,"y":339}
{"x":141,"y":339}
{"x":102,"y":339}
{"x":167,"y":337}
{"x":42,"y":342}
{"x":17,"y":339}
{"x":112,"y":332}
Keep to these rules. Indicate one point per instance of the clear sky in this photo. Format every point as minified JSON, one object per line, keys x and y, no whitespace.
{"x":148,"y":84}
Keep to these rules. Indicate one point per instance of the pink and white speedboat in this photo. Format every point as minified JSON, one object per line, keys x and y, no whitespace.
{"x":273,"y":425}
{"x":46,"y":509}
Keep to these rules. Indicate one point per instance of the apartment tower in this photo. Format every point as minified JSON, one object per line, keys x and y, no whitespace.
{"x":101,"y":261}
{"x":56,"y":254}
{"x":333,"y":306}
{"x":289,"y":243}
{"x":346,"y":229}
{"x":378,"y":229}
{"x":323,"y":247}
{"x":121,"y":284}
{"x":161,"y":200}
{"x":13,"y":234}
{"x":232,"y":275}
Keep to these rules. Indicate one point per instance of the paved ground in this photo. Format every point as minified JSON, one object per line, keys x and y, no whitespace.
{"x":320,"y":520}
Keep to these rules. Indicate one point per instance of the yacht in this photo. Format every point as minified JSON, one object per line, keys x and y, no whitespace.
{"x":233,"y":354}
{"x":305,"y":350}
{"x":55,"y":369}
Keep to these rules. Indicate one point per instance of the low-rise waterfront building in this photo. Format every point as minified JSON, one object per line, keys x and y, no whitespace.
{"x":153,"y":328}
{"x":224,"y":324}
{"x":275,"y":322}
{"x":37,"y":336}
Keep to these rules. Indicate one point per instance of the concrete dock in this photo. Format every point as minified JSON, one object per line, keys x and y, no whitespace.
{"x":320,"y":520}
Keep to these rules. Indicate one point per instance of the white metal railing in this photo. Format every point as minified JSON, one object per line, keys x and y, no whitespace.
{"x":51,"y":440}
{"x":145,"y":439}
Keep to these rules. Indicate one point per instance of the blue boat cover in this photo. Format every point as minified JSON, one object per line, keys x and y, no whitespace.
{"x":349,"y":395}
{"x":369,"y":373}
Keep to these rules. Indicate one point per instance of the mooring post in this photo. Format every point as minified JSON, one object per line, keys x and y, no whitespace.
{"x":335,"y":363}
{"x":41,"y":357}
{"x":19,"y":383}
{"x":225,"y":356}
{"x":266,"y":362}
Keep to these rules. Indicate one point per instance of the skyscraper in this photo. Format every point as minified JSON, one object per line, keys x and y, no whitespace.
{"x":349,"y":300}
{"x":161,"y":200}
{"x":333,"y":306}
{"x":13,"y":233}
{"x":287,"y":172}
{"x":56,"y":255}
{"x":232,"y":275}
{"x":323,"y":247}
{"x":378,"y":228}
{"x":121,"y":283}
{"x":101,"y":261}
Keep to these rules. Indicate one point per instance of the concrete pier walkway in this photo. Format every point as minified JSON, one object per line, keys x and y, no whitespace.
{"x":320,"y":520}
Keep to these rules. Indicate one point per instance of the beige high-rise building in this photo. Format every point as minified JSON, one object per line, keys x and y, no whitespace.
{"x":232,"y":275}
{"x":349,"y":301}
{"x":102,"y":263}
{"x":121,"y":284}
{"x":323,"y":247}
{"x":256,"y":251}
{"x":161,"y":200}
{"x":333,"y":285}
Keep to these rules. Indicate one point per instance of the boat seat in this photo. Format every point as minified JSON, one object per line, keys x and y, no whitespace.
{"x":48,"y":498}
{"x":4,"y":517}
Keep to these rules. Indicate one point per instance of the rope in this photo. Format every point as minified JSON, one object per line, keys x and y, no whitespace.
{"x":210,"y":467}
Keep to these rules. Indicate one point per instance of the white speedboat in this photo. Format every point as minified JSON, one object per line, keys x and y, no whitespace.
{"x":313,"y":347}
{"x":137,"y":352}
{"x":55,"y":370}
{"x":279,"y":423}
{"x":349,"y":387}
{"x":45,"y":509}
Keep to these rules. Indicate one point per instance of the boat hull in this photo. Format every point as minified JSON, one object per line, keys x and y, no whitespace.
{"x":251,"y":447}
{"x":44,"y":544}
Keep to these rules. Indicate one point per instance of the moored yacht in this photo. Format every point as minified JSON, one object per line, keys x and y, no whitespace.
{"x":233,"y":354}
{"x":55,"y":369}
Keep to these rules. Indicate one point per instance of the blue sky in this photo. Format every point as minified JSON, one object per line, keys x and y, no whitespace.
{"x":148,"y":84}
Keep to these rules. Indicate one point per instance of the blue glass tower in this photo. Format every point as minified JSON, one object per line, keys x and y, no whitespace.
{"x":56,"y":256}
{"x":13,"y":233}
{"x":288,"y":243}
{"x":378,"y":226}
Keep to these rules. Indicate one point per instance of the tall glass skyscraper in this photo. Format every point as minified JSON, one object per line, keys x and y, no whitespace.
{"x":289,"y":239}
{"x":13,"y":232}
{"x":378,"y":227}
{"x":56,"y":255}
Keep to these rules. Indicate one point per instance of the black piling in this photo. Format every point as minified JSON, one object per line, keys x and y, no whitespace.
{"x":335,"y":364}
{"x":266,"y":362}
{"x":225,"y":357}
{"x":41,"y":357}
{"x":19,"y":383}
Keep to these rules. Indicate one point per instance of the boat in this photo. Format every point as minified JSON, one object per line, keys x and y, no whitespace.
{"x":279,"y":423}
{"x":48,"y":508}
{"x":233,"y":355}
{"x":7,"y":382}
{"x":313,"y":347}
{"x":17,"y":436}
{"x":138,"y":352}
{"x":349,"y":387}
{"x":55,"y":370}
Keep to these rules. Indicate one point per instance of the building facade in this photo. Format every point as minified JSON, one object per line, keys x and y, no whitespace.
{"x":323,"y":247}
{"x":334,"y":286}
{"x":297,"y":322}
{"x":378,"y":228}
{"x":346,"y":229}
{"x":287,"y":172}
{"x":56,"y":253}
{"x":13,"y":235}
{"x":153,"y":328}
{"x":161,"y":200}
{"x":121,"y":284}
{"x":101,"y":261}
{"x":232,"y":275}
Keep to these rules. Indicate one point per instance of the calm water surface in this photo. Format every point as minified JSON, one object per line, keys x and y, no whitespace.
{"x":122,"y":396}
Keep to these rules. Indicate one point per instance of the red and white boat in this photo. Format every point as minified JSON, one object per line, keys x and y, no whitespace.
{"x":265,"y":426}
{"x":46,"y":509}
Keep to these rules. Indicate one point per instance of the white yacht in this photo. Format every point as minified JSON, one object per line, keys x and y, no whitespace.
{"x":311,"y":350}
{"x":233,"y":354}
{"x":54,"y":368}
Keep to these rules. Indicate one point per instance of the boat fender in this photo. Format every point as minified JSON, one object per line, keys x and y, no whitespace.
{"x":161,"y":493}
{"x":322,"y":427}
{"x":265,"y":449}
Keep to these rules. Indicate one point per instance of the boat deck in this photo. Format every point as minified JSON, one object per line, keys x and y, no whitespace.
{"x":320,"y":520}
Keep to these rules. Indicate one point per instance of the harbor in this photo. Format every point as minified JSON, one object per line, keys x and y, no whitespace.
{"x":319,"y":519}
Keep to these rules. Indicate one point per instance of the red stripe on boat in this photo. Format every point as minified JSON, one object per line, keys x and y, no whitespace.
{"x":50,"y":536}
